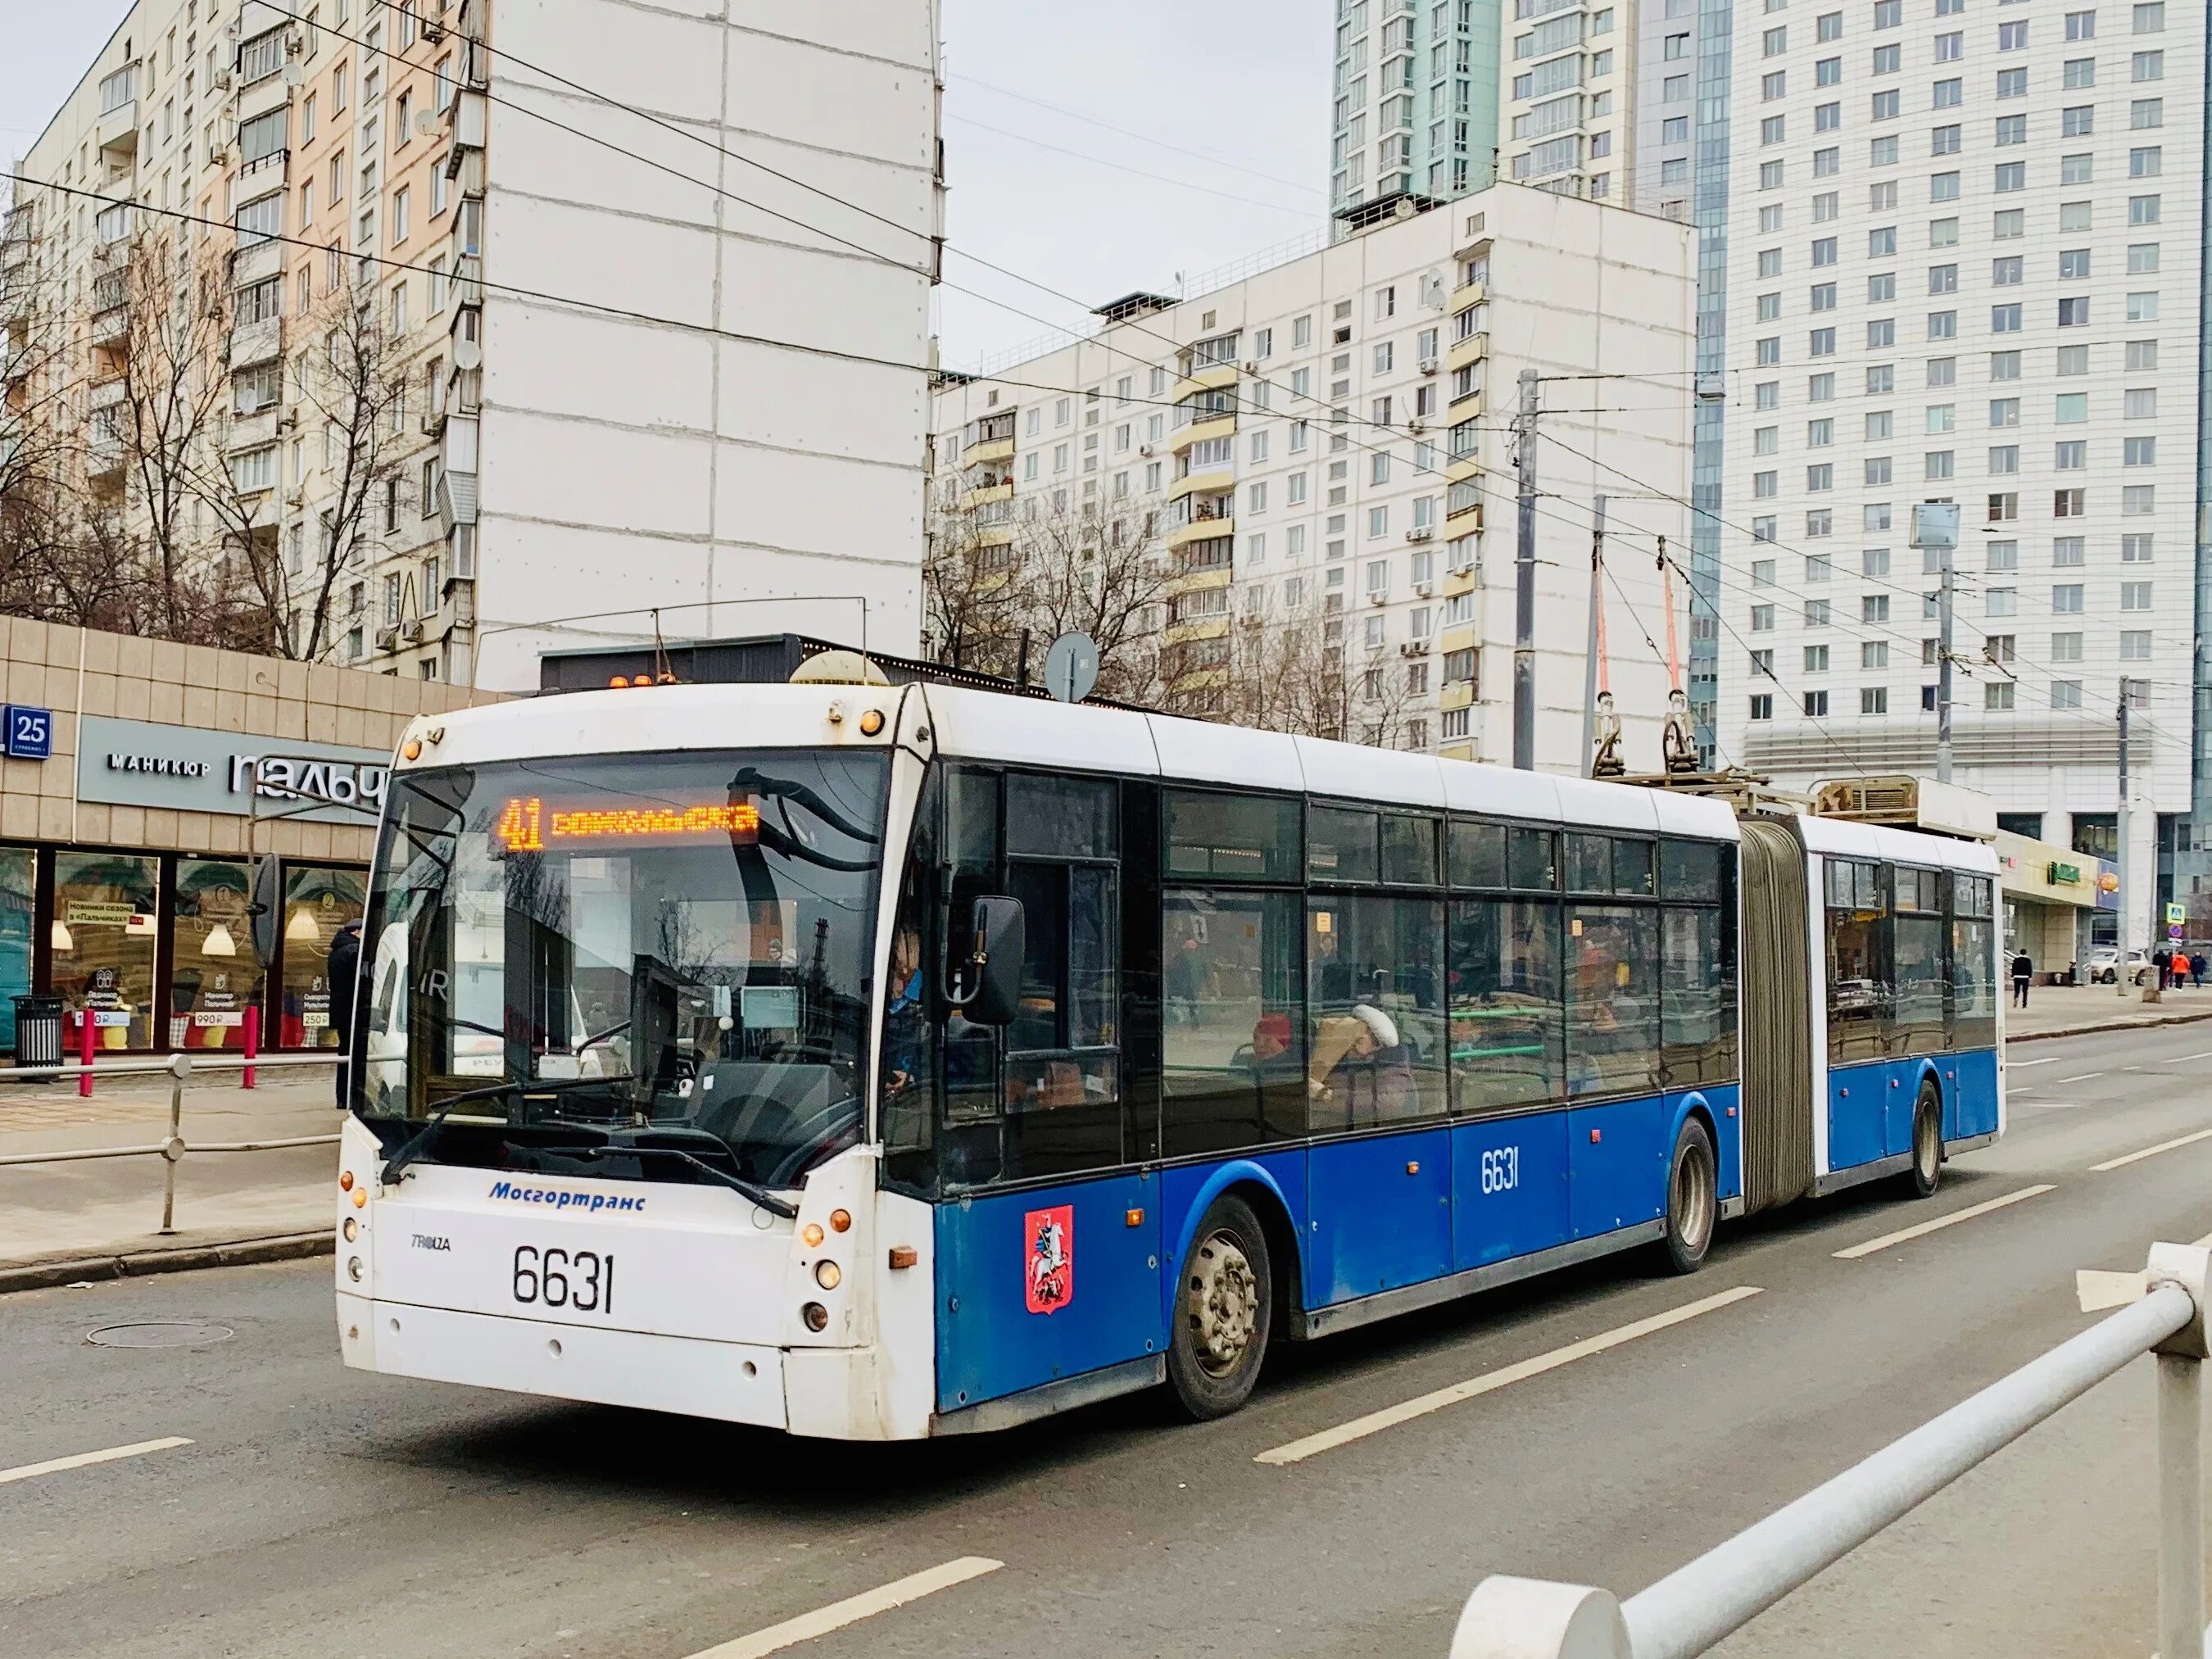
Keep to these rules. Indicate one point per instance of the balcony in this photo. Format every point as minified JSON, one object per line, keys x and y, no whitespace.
{"x":988,"y":452}
{"x":117,"y":133}
{"x":1469,"y":351}
{"x":256,"y":262}
{"x":1214,"y":481}
{"x":104,"y":459}
{"x":253,"y":431}
{"x":256,"y":342}
{"x":111,"y":326}
{"x":990,"y":492}
{"x":1203,"y":377}
{"x":105,"y":395}
{"x":1207,"y":517}
{"x":457,"y":471}
{"x":261,"y":175}
{"x":468,"y":111}
{"x":1197,"y":432}
{"x":262,"y":94}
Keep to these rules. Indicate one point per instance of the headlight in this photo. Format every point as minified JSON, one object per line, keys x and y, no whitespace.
{"x":815,"y":1315}
{"x":353,"y":1269}
{"x":828,"y":1275}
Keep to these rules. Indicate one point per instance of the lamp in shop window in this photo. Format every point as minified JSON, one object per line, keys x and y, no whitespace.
{"x":301,"y":928}
{"x":61,"y":939}
{"x":219,"y":943}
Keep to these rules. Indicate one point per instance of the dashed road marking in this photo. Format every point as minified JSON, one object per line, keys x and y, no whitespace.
{"x":2126,"y":1158}
{"x":2017,"y":1065}
{"x":2084,"y":1078}
{"x":1406,"y":1411}
{"x":1906,"y":1235}
{"x":86,"y":1460}
{"x":854,"y":1608}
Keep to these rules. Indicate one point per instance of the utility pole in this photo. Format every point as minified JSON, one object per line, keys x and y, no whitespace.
{"x":1524,"y":579}
{"x":2120,"y":963}
{"x":1596,"y":643}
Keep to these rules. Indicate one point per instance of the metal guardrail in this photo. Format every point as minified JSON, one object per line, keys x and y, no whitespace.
{"x":172,"y":1151}
{"x":1693,"y":1608}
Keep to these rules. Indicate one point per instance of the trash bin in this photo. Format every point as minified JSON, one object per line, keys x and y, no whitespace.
{"x":38,"y":1030}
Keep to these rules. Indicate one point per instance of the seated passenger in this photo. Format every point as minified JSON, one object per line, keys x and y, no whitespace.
{"x":1362,"y":1044}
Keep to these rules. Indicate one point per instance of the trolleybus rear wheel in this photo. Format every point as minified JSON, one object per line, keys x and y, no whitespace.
{"x":1692,"y":1198}
{"x":1224,"y":1311}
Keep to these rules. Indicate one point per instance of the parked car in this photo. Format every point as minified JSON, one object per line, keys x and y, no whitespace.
{"x":2104,"y":966}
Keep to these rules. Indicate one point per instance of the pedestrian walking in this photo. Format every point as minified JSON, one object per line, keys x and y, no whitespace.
{"x":342,"y":971}
{"x":2197,"y":968}
{"x":2023,"y":973}
{"x":2162,"y":960}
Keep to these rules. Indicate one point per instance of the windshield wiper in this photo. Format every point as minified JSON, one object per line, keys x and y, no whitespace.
{"x":419,"y":1142}
{"x":760,"y":1197}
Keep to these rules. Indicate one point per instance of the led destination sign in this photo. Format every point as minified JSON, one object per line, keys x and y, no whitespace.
{"x":525,"y":825}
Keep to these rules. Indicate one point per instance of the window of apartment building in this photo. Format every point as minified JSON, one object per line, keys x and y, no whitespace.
{"x":2067,"y":552}
{"x":402,"y":204}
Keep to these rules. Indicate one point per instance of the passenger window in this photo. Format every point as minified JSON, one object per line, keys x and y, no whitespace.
{"x":1233,"y":1038}
{"x":1375,"y":995}
{"x":1631,"y":868}
{"x":1858,"y":967}
{"x":1690,"y":871}
{"x":1478,"y":854}
{"x":1059,"y":817}
{"x":1531,"y":864}
{"x":1590,"y":863}
{"x":1409,"y":850}
{"x":1506,"y":1016}
{"x":1237,"y":837}
{"x":1697,"y":995}
{"x":1612,"y":1000}
{"x":1339,"y":844}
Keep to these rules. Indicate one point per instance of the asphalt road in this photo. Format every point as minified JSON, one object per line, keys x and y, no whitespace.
{"x":316,"y":1511}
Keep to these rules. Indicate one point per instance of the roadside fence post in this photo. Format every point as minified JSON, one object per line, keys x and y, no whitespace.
{"x":1510,"y":1618}
{"x":252,"y":1043}
{"x":88,"y":1043}
{"x":2180,"y":1457}
{"x":173,"y":1149}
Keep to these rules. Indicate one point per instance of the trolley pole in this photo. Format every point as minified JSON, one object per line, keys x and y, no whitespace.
{"x":1524,"y":579}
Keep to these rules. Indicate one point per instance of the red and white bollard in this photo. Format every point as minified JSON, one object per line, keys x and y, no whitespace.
{"x":252,"y":1039}
{"x":88,"y":1043}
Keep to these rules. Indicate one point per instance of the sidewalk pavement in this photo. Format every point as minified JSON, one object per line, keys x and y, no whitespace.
{"x":101,"y":1218}
{"x":2067,"y":1010}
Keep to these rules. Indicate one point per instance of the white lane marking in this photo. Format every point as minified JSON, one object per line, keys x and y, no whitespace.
{"x":2048,"y":1060}
{"x":2084,"y":1078}
{"x":854,"y":1608}
{"x":2096,"y":1289}
{"x":2051,"y":1105}
{"x":2150,"y":1152}
{"x":86,"y":1460}
{"x":1421,"y":1405}
{"x":1906,"y":1235}
{"x":2185,"y":1059}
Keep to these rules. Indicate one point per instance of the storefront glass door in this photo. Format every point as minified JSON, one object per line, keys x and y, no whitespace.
{"x":317,"y":901}
{"x":106,"y":915}
{"x":214,"y":975}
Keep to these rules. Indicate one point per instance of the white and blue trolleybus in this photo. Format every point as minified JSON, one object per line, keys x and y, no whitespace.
{"x":878,"y":1062}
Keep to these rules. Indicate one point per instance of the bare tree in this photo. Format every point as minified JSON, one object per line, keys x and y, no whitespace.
{"x":1098,"y":568}
{"x":1289,"y":670}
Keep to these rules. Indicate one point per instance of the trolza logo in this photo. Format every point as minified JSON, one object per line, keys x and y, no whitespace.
{"x":1049,"y":1270}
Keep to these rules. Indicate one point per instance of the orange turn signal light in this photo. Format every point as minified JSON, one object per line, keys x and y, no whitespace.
{"x":414,"y":749}
{"x":360,"y":1197}
{"x":903,"y":1255}
{"x":810,"y":1234}
{"x":345,"y":1182}
{"x":841,"y":1221}
{"x":872,"y":722}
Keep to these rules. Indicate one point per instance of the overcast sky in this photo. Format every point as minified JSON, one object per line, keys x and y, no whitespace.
{"x":1234,"y":111}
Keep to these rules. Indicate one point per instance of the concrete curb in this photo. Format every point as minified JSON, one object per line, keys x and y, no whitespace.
{"x":132,"y":1264}
{"x":2110,"y":1025}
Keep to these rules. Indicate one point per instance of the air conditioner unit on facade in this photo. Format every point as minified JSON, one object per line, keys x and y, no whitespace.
{"x":1429,"y":365}
{"x":1420,"y":533}
{"x":412,"y":632}
{"x":387,"y":638}
{"x":1378,"y":598}
{"x":1143,"y":449}
{"x":1414,"y":648}
{"x":1424,"y":590}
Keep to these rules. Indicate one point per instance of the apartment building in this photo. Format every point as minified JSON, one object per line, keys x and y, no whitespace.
{"x":1416,"y":100}
{"x":1964,"y":264}
{"x":1328,"y":442}
{"x":540,"y":325}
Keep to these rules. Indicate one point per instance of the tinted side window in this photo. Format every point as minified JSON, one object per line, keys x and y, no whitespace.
{"x":1612,"y":1000}
{"x":1341,"y":844}
{"x":1375,"y":980}
{"x":1233,"y":1019}
{"x":1690,"y":871}
{"x":1507,"y":1019}
{"x":1409,"y":850}
{"x":1478,"y":854}
{"x":1059,"y":817}
{"x":1234,"y":837}
{"x":1531,"y":864}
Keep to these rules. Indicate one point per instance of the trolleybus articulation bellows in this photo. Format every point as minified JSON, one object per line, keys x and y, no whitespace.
{"x":881,"y":1062}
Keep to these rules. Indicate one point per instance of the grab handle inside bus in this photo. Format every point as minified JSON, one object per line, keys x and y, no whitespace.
{"x":998,"y":941}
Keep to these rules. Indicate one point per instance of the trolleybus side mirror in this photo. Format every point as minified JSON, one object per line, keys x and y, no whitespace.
{"x":994,"y":980}
{"x":264,"y":906}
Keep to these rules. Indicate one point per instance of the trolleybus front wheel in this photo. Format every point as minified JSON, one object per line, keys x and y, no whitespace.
{"x":1927,"y":1142}
{"x":1224,"y":1311}
{"x":1692,"y":1198}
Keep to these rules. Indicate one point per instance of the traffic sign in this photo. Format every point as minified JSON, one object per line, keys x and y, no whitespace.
{"x":2177,"y":915}
{"x":2173,"y":930}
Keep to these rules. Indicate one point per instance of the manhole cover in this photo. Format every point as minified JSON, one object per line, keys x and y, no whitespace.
{"x":158,"y":1335}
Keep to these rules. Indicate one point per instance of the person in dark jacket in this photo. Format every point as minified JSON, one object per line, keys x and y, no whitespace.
{"x":2197,"y":968}
{"x":343,"y":973}
{"x":2023,"y":973}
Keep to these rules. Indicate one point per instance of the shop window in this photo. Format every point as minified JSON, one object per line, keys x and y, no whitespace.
{"x":19,"y":873}
{"x":104,"y":926}
{"x":317,"y":901}
{"x":213,"y":974}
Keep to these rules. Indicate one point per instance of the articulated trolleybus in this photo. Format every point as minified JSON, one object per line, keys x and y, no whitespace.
{"x":878,"y":1062}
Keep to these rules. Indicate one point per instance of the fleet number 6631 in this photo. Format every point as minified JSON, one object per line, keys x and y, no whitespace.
{"x":582,"y":1279}
{"x":1501,"y":1169}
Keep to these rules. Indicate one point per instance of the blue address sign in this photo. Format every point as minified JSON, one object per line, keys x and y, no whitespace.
{"x":29,"y":731}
